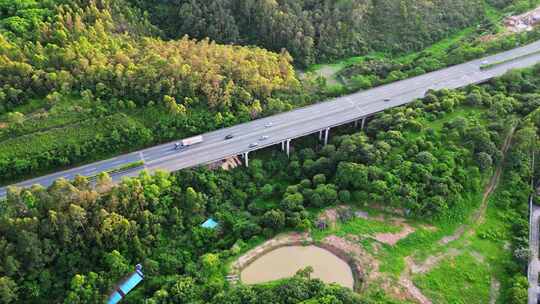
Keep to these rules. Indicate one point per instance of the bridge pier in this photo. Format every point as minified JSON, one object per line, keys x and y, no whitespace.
{"x":286,"y":146}
{"x":363,"y":123}
{"x":320,"y":135}
{"x":326,"y":134}
{"x":246,"y":159}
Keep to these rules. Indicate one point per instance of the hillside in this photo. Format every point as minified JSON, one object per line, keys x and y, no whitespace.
{"x":427,"y":161}
{"x":84,"y":80}
{"x":428,"y":203}
{"x":314,"y":31}
{"x":65,"y":68}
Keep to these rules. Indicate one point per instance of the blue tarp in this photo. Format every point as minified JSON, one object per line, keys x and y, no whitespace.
{"x":210,"y":223}
{"x":126,"y":285}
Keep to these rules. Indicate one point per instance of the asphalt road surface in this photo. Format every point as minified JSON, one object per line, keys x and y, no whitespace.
{"x":303,"y":121}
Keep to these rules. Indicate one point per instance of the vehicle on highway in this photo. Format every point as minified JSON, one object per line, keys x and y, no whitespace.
{"x":264,"y":137}
{"x":253,"y":145}
{"x":386,"y":99}
{"x":269,"y":125}
{"x":229,"y":136}
{"x":485,"y":62}
{"x":188,"y":142}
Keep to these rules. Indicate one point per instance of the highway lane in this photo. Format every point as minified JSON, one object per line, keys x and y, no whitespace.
{"x":305,"y":120}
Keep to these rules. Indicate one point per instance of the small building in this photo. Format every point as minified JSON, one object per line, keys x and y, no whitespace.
{"x":126,"y":285}
{"x":210,"y":224}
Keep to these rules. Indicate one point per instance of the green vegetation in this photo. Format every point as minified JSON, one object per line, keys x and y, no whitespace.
{"x":95,"y":63}
{"x":496,"y":250}
{"x":82,"y":80}
{"x":356,"y":226}
{"x":487,"y":36}
{"x":59,"y":147}
{"x":458,"y":280}
{"x":68,"y":64}
{"x":71,"y":243}
{"x":119,"y":169}
{"x":315,"y":31}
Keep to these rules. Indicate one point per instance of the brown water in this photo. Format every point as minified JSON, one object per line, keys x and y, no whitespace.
{"x":285,"y":261}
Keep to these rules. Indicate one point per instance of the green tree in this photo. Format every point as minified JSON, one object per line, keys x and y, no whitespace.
{"x":274,"y":219}
{"x":8,"y":290}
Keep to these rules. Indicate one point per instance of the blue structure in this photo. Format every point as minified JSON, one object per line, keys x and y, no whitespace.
{"x":210,"y":223}
{"x":126,"y":285}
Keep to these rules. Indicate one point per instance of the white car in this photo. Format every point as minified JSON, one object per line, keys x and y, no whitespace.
{"x":268,"y":125}
{"x":264,"y":137}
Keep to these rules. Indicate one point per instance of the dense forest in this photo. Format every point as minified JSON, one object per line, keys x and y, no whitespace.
{"x":86,"y":80}
{"x":72,"y":242}
{"x":314,"y":31}
{"x":93,"y":48}
{"x":82,"y":80}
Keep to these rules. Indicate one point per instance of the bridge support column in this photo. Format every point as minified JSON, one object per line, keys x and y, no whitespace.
{"x":320,"y":135}
{"x":356,"y":123}
{"x":283,"y":146}
{"x":326,"y":134}
{"x":246,"y":159}
{"x":288,"y":147}
{"x":363,"y":123}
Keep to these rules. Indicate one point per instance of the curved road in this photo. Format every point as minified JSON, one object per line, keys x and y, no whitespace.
{"x":303,"y":121}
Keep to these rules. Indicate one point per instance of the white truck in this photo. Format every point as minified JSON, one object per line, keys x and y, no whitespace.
{"x":184,"y":143}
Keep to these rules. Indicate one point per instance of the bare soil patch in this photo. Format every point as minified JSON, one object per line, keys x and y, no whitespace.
{"x":413,"y":292}
{"x":494,"y":291}
{"x":431,"y":261}
{"x":328,"y":72}
{"x":366,"y":266}
{"x":393,"y":238}
{"x":524,"y":22}
{"x":331,"y":216}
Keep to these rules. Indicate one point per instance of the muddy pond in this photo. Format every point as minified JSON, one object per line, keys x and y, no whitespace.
{"x":284,"y":262}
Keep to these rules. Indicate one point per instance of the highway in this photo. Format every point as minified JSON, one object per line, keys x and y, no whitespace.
{"x":303,"y":121}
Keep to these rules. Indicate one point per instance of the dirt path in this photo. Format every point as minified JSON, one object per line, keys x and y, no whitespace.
{"x":477,"y":219}
{"x":431,"y":261}
{"x":494,"y":291}
{"x":480,"y":214}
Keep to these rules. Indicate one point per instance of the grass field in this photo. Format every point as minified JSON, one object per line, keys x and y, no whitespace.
{"x":357,"y":227}
{"x":462,"y":279}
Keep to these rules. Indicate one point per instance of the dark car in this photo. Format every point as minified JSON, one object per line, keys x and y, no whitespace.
{"x":386,"y":99}
{"x":229,"y":136}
